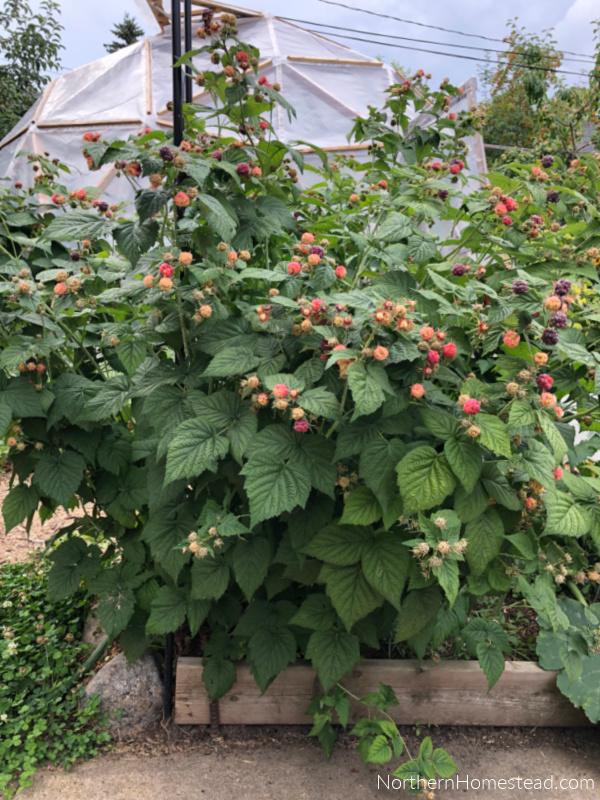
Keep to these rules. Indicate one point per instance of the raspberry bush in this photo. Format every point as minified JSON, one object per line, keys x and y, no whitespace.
{"x":311,"y":421}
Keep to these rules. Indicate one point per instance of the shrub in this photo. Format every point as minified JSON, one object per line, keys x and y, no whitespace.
{"x":306,"y":460}
{"x":41,"y":719}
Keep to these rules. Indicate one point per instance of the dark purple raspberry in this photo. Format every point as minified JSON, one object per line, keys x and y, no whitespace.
{"x":536,"y":219}
{"x":558,"y":319}
{"x":552,"y":196}
{"x":170,"y":105}
{"x":102,"y":206}
{"x":166,"y":154}
{"x":459,"y":269}
{"x":549,"y":336}
{"x":325,"y":346}
{"x":547,"y":161}
{"x":218,"y":155}
{"x":74,"y":255}
{"x":243,"y":168}
{"x":297,"y":214}
{"x":442,"y":194}
{"x":317,"y":250}
{"x":562,"y":287}
{"x":520,"y":287}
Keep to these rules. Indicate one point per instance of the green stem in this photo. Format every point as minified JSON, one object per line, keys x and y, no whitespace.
{"x":342,"y":404}
{"x":576,"y":593}
{"x":184,"y":335}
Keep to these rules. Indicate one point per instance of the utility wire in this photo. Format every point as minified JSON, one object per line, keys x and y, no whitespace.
{"x":451,"y":55}
{"x":434,"y":27}
{"x":424,"y":41}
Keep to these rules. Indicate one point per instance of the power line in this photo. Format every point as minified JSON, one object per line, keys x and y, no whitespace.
{"x":434,"y":27}
{"x":450,"y":55}
{"x":424,"y":41}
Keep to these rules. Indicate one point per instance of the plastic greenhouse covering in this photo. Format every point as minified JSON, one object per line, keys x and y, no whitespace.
{"x":125,"y":92}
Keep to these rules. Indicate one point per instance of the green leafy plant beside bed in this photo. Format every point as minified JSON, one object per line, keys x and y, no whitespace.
{"x":42,"y":720}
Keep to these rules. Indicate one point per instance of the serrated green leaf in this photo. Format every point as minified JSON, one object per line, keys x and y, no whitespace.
{"x":484,"y":536}
{"x":210,"y":577}
{"x":443,"y":763}
{"x":58,"y":474}
{"x":368,"y":386}
{"x":168,"y":610}
{"x":491,"y":660}
{"x":378,"y":460}
{"x":417,"y":610}
{"x":350,"y":592}
{"x":341,"y":545}
{"x":321,"y":402}
{"x":424,"y":479}
{"x":251,"y":559}
{"x":386,"y":564}
{"x":494,"y":434}
{"x":465,"y":459}
{"x":270,"y":650}
{"x":565,"y":516}
{"x":72,"y":561}
{"x":275,"y":485}
{"x":316,"y":613}
{"x":227,"y":411}
{"x":441,"y":424}
{"x":77,"y":224}
{"x":134,"y":239}
{"x":361,"y":507}
{"x":132,"y":354}
{"x":231,"y":361}
{"x":19,"y":503}
{"x":150,"y":201}
{"x":196,"y":447}
{"x":333,"y":653}
{"x":218,"y":675}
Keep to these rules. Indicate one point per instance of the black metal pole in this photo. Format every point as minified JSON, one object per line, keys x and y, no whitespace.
{"x":169,"y":663}
{"x":188,"y":46}
{"x":177,"y":139}
{"x":177,"y":83}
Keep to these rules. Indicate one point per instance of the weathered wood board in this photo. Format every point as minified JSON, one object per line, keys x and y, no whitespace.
{"x":447,"y":693}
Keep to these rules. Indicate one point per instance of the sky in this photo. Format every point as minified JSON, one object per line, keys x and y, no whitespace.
{"x":87,"y":27}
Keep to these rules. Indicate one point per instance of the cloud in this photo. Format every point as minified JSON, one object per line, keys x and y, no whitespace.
{"x":574,"y":31}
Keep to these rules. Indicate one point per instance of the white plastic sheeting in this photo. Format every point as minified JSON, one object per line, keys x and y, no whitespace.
{"x":127,"y":91}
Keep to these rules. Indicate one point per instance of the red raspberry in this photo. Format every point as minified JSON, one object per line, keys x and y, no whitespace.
{"x":381,"y":353}
{"x":500,"y":210}
{"x":301,"y":426}
{"x":433,"y":357}
{"x":181,"y":200}
{"x":449,"y":350}
{"x":471,"y":406}
{"x":417,"y":390}
{"x":427,"y":333}
{"x":60,"y":289}
{"x":455,"y":169}
{"x":340,"y":271}
{"x":294,"y":268}
{"x":263,"y":125}
{"x":558,"y":473}
{"x":280,"y":390}
{"x":544,"y":381}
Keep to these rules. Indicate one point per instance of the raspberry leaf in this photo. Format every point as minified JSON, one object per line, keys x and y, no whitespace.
{"x":424,"y":479}
{"x":333,"y":653}
{"x":196,"y":447}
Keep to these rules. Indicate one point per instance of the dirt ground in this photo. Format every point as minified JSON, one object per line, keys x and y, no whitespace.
{"x":257,"y":763}
{"x":15,"y":545}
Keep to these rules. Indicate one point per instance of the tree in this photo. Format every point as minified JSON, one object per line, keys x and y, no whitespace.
{"x":30,"y":46}
{"x":531,"y":106}
{"x":127,"y":31}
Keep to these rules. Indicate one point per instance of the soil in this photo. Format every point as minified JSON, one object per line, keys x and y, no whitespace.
{"x":16,"y":545}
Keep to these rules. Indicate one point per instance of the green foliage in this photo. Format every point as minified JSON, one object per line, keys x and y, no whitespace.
{"x":125,"y":32}
{"x":42,"y":719}
{"x":30,"y":44}
{"x":306,"y":463}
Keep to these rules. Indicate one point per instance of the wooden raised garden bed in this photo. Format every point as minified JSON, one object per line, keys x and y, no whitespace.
{"x":447,"y":693}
